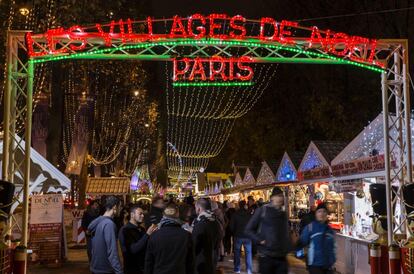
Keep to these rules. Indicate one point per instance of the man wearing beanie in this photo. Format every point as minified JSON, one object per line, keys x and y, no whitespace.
{"x":321,"y":240}
{"x":268,"y":228}
{"x":170,"y":248}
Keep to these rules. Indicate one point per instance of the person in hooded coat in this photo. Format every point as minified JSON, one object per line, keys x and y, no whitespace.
{"x":105,"y":256}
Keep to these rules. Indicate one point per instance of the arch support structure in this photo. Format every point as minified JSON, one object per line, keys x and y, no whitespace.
{"x":18,"y":95}
{"x":397,"y":138}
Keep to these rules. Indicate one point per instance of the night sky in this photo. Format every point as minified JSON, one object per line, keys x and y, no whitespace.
{"x":305,"y":102}
{"x":302,"y":102}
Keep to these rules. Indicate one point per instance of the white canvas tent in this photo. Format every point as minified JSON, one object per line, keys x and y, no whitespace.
{"x":367,"y":144}
{"x":44,"y":177}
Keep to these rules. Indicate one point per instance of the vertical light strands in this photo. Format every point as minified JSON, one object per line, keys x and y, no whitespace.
{"x":200,"y":118}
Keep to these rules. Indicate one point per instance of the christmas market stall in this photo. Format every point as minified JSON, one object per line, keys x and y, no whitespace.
{"x":315,"y":172}
{"x":233,"y":193}
{"x":215,"y":183}
{"x":297,"y":198}
{"x":249,"y":184}
{"x":266,"y":180}
{"x":358,"y":170}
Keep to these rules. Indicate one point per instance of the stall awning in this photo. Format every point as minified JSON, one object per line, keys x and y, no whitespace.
{"x":108,"y":186}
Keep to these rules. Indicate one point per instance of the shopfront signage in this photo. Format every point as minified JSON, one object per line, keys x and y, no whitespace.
{"x":366,"y":165}
{"x":317,"y":173}
{"x":345,"y":185}
{"x":207,"y":27}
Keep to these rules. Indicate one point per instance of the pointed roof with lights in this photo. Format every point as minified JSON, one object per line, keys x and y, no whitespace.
{"x":369,"y":142}
{"x":287,"y":171}
{"x":320,"y":154}
{"x":267,"y":172}
{"x":249,"y":178}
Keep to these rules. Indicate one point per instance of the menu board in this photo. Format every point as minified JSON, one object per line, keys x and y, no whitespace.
{"x":46,"y":228}
{"x":46,"y":242}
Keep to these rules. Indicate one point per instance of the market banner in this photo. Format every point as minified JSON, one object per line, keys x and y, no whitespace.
{"x":365,"y":165}
{"x":317,"y":173}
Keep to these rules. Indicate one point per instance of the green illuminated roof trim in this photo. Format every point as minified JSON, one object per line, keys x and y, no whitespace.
{"x":250,"y":43}
{"x":213,"y":84}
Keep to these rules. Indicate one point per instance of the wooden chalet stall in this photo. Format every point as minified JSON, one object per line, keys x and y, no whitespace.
{"x":315,"y":172}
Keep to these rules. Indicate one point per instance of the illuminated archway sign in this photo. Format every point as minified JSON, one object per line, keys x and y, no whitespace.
{"x":218,"y":68}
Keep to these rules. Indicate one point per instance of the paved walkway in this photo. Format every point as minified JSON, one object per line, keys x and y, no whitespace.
{"x":78,"y":264}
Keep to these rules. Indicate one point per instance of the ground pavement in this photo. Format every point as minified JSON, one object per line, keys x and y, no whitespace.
{"x":77,"y":263}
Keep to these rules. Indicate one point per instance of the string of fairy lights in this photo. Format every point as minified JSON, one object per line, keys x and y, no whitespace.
{"x":122,"y":119}
{"x":31,"y":21}
{"x":201,"y":116}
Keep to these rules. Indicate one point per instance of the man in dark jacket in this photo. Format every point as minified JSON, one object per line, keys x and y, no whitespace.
{"x":238,"y":225}
{"x":105,"y":258}
{"x":133,"y":240}
{"x":90,"y":214}
{"x":205,"y":237}
{"x":269,"y":229}
{"x":170,"y":249}
{"x":155,"y":214}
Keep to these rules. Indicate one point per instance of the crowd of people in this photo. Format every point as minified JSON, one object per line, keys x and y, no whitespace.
{"x":170,"y":237}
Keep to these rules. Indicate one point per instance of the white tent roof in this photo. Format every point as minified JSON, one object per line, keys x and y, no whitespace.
{"x":370,"y":141}
{"x":44,"y":177}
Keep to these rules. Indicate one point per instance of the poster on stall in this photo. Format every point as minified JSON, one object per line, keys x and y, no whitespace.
{"x":46,"y":228}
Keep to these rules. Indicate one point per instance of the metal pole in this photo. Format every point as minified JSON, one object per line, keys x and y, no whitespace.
{"x":400,"y":111}
{"x":28,"y":131}
{"x":387,"y":159}
{"x":6,"y":113}
{"x":406,"y":91}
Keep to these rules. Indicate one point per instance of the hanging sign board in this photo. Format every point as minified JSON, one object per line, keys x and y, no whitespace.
{"x":345,"y":185}
{"x":317,"y":173}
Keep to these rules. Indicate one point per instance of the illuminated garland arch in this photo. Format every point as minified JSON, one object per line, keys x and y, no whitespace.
{"x":289,"y":43}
